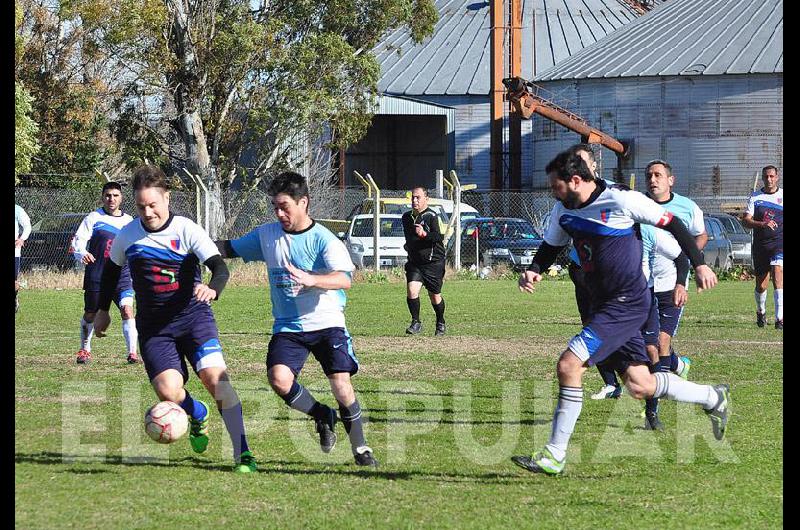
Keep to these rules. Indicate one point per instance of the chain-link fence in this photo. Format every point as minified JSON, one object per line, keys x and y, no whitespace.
{"x":511,"y":235}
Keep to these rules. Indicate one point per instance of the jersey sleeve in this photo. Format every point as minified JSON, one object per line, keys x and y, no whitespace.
{"x":698,"y":226}
{"x":643,"y":209}
{"x":199,"y":242}
{"x":82,"y":236}
{"x":666,"y":245}
{"x":335,"y":255}
{"x":751,"y":206}
{"x":554,"y":235}
{"x":118,"y":248}
{"x":25,"y":222}
{"x":248,"y":247}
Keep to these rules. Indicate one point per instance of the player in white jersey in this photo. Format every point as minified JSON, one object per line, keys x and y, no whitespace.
{"x":174,"y":317}
{"x":765,"y":216}
{"x":600,"y":221}
{"x":309,"y":270}
{"x":22,"y":229}
{"x":91,"y":246}
{"x":660,"y":182}
{"x":659,"y":244}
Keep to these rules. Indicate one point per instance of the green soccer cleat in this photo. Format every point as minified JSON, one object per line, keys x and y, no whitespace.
{"x":247,"y":463}
{"x":687,"y":364}
{"x":198,"y":432}
{"x":541,"y":462}
{"x":721,"y":411}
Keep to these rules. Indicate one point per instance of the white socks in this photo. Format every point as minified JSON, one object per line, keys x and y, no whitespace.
{"x":778,"y":303}
{"x":130,"y":333}
{"x":673,"y":387}
{"x":570,"y":403}
{"x":87,"y":330}
{"x":761,"y":302}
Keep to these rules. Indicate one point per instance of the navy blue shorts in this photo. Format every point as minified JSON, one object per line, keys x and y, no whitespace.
{"x":332,"y":347}
{"x":91,"y":299}
{"x":652,"y":326}
{"x":613,"y":337}
{"x":17,"y":262}
{"x":192,"y":336}
{"x":764,"y":257}
{"x":669,"y":316}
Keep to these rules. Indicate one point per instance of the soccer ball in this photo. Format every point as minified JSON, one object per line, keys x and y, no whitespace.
{"x":165,"y":422}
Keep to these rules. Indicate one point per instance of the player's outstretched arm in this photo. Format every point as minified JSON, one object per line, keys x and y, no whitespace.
{"x":545,"y":256}
{"x":226,"y":249}
{"x":704,"y":276}
{"x":330,"y":280}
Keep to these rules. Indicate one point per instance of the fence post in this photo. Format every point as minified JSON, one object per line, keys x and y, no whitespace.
{"x":198,"y":182}
{"x":376,"y":224}
{"x":440,"y":183}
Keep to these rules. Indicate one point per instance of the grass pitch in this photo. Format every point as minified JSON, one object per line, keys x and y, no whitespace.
{"x":444,"y":416}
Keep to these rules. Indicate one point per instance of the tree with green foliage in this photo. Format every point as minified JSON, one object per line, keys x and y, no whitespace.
{"x":25,"y":145}
{"x":229,"y":89}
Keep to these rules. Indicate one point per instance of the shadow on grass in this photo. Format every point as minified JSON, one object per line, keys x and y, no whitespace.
{"x":269,"y":467}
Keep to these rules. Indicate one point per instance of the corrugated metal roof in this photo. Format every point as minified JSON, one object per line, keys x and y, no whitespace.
{"x":455,"y":59}
{"x":686,"y":37}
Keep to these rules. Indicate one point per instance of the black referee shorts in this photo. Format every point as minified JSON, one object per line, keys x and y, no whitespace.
{"x":430,"y":274}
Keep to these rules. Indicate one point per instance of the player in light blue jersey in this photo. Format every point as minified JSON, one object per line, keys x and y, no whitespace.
{"x":22,"y":229}
{"x":600,"y":221}
{"x":660,"y":181}
{"x":309,"y":270}
{"x":765,"y":216}
{"x":91,"y":246}
{"x":174,"y":318}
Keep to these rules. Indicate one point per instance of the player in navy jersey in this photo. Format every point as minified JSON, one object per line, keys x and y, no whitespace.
{"x":174,"y":317}
{"x":765,"y":216}
{"x":600,"y":219}
{"x":309,"y":269}
{"x":91,"y":246}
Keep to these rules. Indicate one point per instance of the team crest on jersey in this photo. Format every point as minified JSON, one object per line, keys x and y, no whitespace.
{"x":604,"y":214}
{"x":175,"y":244}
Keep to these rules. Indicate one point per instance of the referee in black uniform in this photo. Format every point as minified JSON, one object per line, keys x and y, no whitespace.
{"x":425,"y":265}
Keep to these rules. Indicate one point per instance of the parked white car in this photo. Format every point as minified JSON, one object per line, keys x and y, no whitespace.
{"x":359,"y":241}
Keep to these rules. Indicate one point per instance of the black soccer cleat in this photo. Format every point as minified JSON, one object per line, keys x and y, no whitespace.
{"x":761,"y":319}
{"x":720,"y":413}
{"x":325,"y":428}
{"x":652,"y":423}
{"x":441,"y":329}
{"x":363,"y":457}
{"x":414,"y":328}
{"x":779,"y":324}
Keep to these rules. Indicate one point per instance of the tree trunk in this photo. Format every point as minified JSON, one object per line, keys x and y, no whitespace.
{"x":189,"y":122}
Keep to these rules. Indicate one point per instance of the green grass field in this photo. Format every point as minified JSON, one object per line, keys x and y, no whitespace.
{"x":444,"y":416}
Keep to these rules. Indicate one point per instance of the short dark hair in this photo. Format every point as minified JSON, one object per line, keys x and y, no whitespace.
{"x":111,"y":186}
{"x":662,"y":162}
{"x":149,"y":176}
{"x":765,"y":168}
{"x":423,"y":188}
{"x":568,"y":163}
{"x":292,"y":184}
{"x":582,"y":147}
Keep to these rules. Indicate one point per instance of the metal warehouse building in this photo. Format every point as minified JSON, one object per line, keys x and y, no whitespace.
{"x":697,"y":83}
{"x":435,"y":110}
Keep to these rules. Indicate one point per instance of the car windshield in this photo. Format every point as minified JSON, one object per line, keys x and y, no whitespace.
{"x":504,"y":230}
{"x":389,"y":227}
{"x":61,"y":223}
{"x":732,"y":225}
